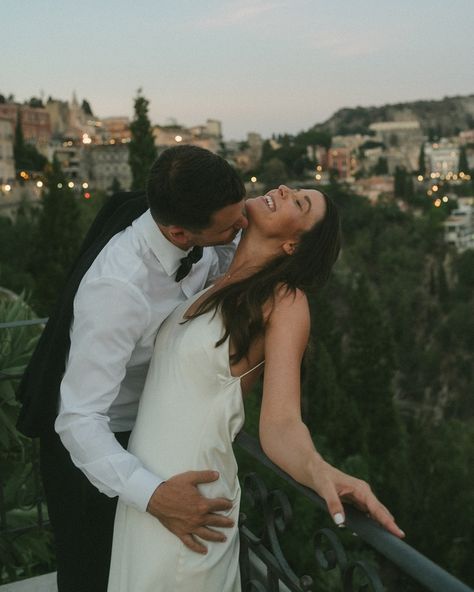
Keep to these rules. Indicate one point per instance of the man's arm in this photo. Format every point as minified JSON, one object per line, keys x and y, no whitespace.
{"x":110,"y":317}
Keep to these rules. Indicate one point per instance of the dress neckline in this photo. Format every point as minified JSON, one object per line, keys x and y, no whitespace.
{"x":186,"y":318}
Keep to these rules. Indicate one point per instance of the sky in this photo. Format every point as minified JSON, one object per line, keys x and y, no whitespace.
{"x":266,"y":66}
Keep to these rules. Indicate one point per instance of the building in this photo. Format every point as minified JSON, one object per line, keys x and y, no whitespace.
{"x":59,"y":117}
{"x":459,"y":227}
{"x":70,"y":157}
{"x":7,"y":161}
{"x":402,"y":140}
{"x":35,"y":123}
{"x":374,"y":187}
{"x":442,"y":157}
{"x":340,"y":159}
{"x":116,"y":129}
{"x":398,"y":133}
{"x":207,"y":136}
{"x":107,"y":164}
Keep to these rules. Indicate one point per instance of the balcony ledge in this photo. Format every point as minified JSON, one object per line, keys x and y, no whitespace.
{"x":45,"y":583}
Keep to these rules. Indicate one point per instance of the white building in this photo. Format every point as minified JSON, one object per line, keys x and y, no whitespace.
{"x":442,"y":157}
{"x":459,"y":227}
{"x":106,"y":163}
{"x":398,"y":133}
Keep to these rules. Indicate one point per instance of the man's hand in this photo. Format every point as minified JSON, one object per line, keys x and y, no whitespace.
{"x":180,"y":507}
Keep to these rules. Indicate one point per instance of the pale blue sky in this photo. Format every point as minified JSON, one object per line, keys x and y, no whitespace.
{"x":269,"y":66}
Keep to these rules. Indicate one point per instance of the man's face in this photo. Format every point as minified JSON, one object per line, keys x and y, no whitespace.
{"x":225,"y":224}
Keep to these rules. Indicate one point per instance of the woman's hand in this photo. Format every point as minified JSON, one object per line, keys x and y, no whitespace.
{"x":336,"y":487}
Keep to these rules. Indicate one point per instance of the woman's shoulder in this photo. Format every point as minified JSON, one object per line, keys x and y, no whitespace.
{"x":286,"y":303}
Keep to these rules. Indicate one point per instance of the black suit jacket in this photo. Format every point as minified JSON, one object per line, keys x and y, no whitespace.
{"x":39,"y":388}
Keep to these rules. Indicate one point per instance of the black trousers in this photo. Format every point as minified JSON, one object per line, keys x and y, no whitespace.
{"x":82,"y":519}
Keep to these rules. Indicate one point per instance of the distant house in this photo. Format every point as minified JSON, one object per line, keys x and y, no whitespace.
{"x":459,"y":227}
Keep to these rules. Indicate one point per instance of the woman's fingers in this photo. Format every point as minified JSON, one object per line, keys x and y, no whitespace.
{"x":333,"y":502}
{"x":362,"y":496}
{"x":380,"y":513}
{"x":338,"y":486}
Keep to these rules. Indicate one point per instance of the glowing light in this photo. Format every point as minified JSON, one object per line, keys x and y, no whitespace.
{"x":429,"y":192}
{"x":70,"y":185}
{"x":24,"y":175}
{"x":433,"y":175}
{"x":253,"y":179}
{"x":319,"y":168}
{"x":8,"y":187}
{"x":420,"y":178}
{"x":112,"y":141}
{"x":39,"y":184}
{"x":317,"y":177}
{"x":445,"y":198}
{"x":85,"y":185}
{"x":60,"y":185}
{"x":86,"y":139}
{"x":178,"y":138}
{"x":87,"y":195}
{"x":455,"y":177}
{"x":435,"y":188}
{"x":437,"y":203}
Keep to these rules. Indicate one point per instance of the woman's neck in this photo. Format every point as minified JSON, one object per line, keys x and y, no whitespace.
{"x":250,"y":256}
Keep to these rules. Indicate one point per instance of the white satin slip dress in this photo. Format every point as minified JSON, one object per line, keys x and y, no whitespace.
{"x":189,"y":414}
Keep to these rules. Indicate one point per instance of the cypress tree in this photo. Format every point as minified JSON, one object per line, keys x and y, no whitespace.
{"x":57,"y":239}
{"x":463,"y":165}
{"x":368,"y":372}
{"x":421,"y":161}
{"x":332,"y":415}
{"x":142,"y":151}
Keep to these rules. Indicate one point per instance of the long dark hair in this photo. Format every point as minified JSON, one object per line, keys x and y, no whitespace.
{"x":307,"y":269}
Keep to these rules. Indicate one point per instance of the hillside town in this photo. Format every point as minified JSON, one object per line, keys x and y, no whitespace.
{"x":393,"y":159}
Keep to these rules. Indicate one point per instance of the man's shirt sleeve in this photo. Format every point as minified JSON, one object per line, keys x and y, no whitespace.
{"x":110,"y":316}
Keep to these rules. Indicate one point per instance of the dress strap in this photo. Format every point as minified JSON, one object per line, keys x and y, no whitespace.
{"x":252,"y":369}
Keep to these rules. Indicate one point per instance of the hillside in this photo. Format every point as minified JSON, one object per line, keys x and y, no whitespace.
{"x":446,"y":117}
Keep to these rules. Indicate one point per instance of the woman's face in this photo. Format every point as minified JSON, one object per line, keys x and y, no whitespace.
{"x":286,"y":213}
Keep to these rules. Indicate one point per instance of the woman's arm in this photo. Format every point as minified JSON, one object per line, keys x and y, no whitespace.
{"x":283,"y":435}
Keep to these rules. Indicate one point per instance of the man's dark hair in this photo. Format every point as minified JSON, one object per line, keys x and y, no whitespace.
{"x":187,"y":184}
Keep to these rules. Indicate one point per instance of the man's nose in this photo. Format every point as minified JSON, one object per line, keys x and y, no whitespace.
{"x":243,"y":222}
{"x":284,"y":190}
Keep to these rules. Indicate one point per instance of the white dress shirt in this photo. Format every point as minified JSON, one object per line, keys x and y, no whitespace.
{"x":126,"y":294}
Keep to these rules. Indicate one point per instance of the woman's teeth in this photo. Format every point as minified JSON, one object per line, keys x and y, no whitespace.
{"x":269,"y":201}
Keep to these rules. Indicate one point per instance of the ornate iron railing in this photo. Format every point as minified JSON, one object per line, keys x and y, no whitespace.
{"x":274,"y":516}
{"x":264,"y":567}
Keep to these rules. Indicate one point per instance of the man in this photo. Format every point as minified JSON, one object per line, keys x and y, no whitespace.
{"x":195,"y":200}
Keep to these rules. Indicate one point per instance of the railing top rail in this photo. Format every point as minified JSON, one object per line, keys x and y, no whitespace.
{"x":26,"y":323}
{"x":408,"y":559}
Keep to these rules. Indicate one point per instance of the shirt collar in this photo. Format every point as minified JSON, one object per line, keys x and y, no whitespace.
{"x":168,"y":255}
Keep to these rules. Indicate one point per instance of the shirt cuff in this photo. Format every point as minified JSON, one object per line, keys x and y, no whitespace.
{"x":139,"y":489}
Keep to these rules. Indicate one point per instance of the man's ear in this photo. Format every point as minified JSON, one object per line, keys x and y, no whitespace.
{"x":289,"y":247}
{"x":180,"y":236}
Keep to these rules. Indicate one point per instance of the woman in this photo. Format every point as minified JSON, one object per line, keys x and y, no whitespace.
{"x":207,"y":356}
